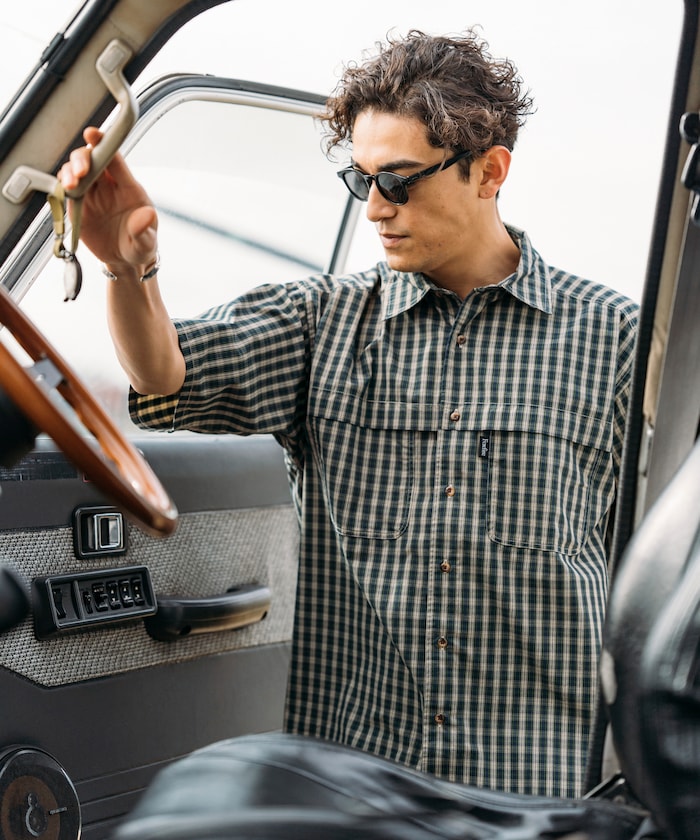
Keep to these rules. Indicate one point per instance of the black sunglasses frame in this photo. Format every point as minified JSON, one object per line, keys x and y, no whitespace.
{"x":402,"y":182}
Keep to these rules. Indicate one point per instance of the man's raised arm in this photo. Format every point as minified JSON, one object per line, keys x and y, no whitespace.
{"x":120,"y":226}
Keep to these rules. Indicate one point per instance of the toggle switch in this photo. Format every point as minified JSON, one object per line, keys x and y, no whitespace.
{"x":108,"y":531}
{"x":57,"y":595}
{"x":98,"y":531}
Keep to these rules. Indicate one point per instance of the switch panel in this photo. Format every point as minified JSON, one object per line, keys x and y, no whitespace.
{"x":83,"y":600}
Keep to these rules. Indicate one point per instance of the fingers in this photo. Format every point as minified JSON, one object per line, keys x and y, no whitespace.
{"x":77,"y":167}
{"x":80,"y":161}
{"x":117,"y":167}
{"x":92,"y":135}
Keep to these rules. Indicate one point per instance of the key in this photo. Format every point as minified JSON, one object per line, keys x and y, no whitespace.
{"x":72,"y":276}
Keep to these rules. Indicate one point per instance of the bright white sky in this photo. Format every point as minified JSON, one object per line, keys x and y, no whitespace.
{"x":585,"y":172}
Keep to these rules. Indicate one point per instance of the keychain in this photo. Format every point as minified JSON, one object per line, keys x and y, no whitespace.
{"x":72,"y":272}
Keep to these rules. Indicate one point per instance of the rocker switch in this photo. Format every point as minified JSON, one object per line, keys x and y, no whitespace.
{"x":98,"y":531}
{"x":57,"y":595}
{"x":108,"y":531}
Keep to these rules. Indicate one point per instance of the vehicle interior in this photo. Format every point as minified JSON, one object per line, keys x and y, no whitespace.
{"x":147,"y":580}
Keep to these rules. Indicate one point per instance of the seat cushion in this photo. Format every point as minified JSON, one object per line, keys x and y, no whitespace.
{"x":287,"y":786}
{"x":670,"y":701}
{"x":650,"y":670}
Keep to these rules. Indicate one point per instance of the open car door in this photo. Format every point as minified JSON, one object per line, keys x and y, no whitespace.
{"x":149,"y":635}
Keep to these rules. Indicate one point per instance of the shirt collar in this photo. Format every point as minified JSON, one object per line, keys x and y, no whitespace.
{"x":401,"y":290}
{"x":530,"y":282}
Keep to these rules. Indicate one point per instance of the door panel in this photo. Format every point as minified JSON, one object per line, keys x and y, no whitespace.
{"x":113,"y":704}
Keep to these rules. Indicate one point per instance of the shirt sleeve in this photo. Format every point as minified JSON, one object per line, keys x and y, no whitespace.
{"x":246,"y":368}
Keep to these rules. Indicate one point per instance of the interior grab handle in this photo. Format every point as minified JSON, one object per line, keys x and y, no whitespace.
{"x":238,"y":607}
{"x":110,"y":65}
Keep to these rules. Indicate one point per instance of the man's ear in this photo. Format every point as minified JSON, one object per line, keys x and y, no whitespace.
{"x":494,"y":170}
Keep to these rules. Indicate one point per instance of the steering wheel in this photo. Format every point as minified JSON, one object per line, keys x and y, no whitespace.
{"x":45,"y":393}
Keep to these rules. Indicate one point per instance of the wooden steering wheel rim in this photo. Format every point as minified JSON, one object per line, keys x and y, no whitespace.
{"x":105,"y":456}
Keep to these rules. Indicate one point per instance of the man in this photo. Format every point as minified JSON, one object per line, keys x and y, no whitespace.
{"x":452,"y":421}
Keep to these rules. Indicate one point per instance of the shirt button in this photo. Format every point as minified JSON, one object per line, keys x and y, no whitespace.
{"x":442,"y":643}
{"x":445,"y":566}
{"x":439,"y":719}
{"x":455,"y":416}
{"x":461,"y":340}
{"x":450,"y":490}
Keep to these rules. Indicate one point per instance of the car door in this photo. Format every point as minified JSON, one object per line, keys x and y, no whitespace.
{"x":141,"y":648}
{"x":95,"y":703}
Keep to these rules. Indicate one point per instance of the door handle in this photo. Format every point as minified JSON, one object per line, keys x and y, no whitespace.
{"x":238,"y":607}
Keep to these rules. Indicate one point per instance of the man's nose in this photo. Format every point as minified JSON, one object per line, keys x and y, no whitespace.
{"x":378,"y":207}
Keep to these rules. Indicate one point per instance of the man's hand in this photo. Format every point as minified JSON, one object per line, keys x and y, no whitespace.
{"x":119,"y":223}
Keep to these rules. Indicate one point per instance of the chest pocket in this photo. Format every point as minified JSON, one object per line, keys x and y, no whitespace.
{"x":550,"y":480}
{"x":368,"y":477}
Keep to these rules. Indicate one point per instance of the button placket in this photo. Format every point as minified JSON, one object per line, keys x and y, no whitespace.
{"x":452,"y":443}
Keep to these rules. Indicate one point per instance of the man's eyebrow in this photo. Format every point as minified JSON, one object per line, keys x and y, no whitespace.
{"x":390,"y":166}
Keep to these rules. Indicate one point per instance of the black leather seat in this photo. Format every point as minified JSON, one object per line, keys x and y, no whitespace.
{"x":650,"y":670}
{"x":287,"y":786}
{"x":283,"y":786}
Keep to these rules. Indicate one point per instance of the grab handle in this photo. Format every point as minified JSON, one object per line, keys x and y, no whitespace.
{"x":109,"y":65}
{"x":238,"y":607}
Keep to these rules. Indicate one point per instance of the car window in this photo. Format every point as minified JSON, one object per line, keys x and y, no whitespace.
{"x":244,"y":197}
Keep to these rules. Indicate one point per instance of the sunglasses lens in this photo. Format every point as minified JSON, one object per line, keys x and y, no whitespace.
{"x":392,"y":188}
{"x":356,"y":183}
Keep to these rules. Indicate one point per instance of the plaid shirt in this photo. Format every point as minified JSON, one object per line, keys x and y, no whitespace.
{"x":454,"y":466}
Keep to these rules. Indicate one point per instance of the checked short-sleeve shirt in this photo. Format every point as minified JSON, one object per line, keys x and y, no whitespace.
{"x":453,"y":463}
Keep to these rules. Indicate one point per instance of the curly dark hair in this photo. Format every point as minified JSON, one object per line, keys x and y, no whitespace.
{"x":465,"y":98}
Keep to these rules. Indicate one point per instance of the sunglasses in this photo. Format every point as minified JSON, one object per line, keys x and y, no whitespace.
{"x":392,"y":187}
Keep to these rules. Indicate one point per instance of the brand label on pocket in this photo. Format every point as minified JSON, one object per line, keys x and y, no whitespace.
{"x":484,"y":444}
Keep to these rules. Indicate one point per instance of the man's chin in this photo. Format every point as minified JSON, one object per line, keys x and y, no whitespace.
{"x":397,"y":263}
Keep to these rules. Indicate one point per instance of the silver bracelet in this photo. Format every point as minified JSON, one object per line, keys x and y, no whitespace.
{"x":110,"y":275}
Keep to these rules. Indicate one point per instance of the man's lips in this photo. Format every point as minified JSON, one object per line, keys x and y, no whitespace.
{"x":390,"y":240}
